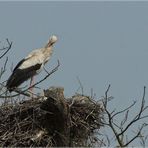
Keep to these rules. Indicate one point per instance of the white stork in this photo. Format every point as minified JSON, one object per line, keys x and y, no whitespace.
{"x":30,"y":65}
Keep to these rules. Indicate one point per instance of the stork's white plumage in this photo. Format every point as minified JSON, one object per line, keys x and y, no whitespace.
{"x":30,"y":65}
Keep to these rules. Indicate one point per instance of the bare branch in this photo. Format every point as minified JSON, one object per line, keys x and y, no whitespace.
{"x":117,"y":113}
{"x":106,"y":96}
{"x":137,"y":135}
{"x":143,"y":139}
{"x":3,"y":69}
{"x":138,"y":116}
{"x":18,"y":91}
{"x":6,"y":48}
{"x":119,"y":130}
{"x":81,"y":86}
{"x":110,"y":119}
{"x":125,"y":118}
{"x":106,"y":92}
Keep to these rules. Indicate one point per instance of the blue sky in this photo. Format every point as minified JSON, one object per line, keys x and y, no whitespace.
{"x":100,"y":42}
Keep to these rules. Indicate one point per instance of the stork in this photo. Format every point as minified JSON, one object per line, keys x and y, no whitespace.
{"x":31,"y":65}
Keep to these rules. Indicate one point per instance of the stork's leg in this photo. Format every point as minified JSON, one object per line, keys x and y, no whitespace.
{"x":31,"y":84}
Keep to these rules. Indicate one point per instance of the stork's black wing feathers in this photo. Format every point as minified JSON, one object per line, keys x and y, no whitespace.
{"x":19,"y":64}
{"x":20,"y":75}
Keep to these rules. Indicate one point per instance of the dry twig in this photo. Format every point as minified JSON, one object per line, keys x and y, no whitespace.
{"x":6,"y":48}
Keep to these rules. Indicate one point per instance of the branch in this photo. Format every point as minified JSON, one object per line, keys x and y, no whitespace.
{"x":124,"y":109}
{"x":137,"y":135}
{"x":81,"y":86}
{"x":106,"y":96}
{"x":18,"y":91}
{"x":138,"y":116}
{"x":110,"y":123}
{"x":114,"y":127}
{"x":3,"y":69}
{"x":8,"y":48}
{"x":143,"y":140}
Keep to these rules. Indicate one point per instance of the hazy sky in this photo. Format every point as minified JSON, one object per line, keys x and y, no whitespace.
{"x":100,"y":42}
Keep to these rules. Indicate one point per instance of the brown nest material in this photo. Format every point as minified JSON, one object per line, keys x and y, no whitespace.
{"x":51,"y":120}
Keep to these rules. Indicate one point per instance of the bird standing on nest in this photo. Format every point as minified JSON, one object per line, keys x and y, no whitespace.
{"x":30,"y":65}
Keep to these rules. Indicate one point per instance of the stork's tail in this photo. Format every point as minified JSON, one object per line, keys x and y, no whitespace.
{"x":12,"y":82}
{"x":16,"y":79}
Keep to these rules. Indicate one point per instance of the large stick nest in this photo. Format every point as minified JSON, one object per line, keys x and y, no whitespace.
{"x":51,"y":120}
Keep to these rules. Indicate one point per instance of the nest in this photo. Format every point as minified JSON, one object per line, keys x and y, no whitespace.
{"x":51,"y":120}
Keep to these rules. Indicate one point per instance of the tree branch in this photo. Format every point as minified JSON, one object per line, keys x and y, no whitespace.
{"x":6,"y":48}
{"x":110,"y":119}
{"x":137,"y":117}
{"x":3,"y":69}
{"x":117,"y":113}
{"x":136,"y":136}
{"x":119,"y":130}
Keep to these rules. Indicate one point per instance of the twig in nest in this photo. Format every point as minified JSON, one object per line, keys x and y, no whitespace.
{"x":81,"y":86}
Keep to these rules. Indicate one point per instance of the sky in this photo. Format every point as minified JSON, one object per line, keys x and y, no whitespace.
{"x":101,"y":43}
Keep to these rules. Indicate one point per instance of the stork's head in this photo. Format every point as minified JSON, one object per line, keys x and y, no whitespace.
{"x":51,"y":41}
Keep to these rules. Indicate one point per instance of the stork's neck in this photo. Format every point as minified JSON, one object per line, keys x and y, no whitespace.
{"x":48,"y":50}
{"x":49,"y":44}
